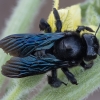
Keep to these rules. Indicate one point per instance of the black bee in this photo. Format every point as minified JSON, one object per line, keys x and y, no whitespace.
{"x":37,"y":54}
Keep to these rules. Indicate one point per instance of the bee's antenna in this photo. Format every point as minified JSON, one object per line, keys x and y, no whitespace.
{"x":97,"y":29}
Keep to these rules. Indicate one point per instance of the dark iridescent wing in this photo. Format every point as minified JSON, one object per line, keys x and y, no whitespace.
{"x":18,"y":67}
{"x":24,"y":44}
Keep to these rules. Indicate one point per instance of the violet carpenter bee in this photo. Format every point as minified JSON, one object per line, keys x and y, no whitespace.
{"x":37,"y":54}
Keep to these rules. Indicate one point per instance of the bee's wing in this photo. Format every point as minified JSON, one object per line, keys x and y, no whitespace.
{"x":22,"y":45}
{"x":18,"y":67}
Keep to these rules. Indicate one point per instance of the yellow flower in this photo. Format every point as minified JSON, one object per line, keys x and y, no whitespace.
{"x":70,"y":17}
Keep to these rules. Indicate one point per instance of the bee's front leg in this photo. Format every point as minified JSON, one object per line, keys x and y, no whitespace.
{"x":82,"y":28}
{"x":86,"y":66}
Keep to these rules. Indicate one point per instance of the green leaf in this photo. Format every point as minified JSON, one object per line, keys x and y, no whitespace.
{"x":88,"y":80}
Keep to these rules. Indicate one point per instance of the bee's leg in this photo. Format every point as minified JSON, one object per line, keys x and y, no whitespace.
{"x":86,"y":66}
{"x":58,"y":21}
{"x":69,"y":75}
{"x":82,"y":28}
{"x":53,"y":80}
{"x":44,"y":26}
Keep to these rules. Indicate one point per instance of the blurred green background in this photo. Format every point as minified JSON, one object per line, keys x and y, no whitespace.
{"x":6,"y":9}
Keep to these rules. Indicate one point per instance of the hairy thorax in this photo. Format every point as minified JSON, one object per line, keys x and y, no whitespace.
{"x":69,"y":48}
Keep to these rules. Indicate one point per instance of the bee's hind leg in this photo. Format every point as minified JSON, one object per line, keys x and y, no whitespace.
{"x":44,"y":26}
{"x":53,"y":80}
{"x":58,"y":21}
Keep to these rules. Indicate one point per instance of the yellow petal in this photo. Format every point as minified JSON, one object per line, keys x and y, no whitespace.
{"x":56,"y":4}
{"x":70,"y":17}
